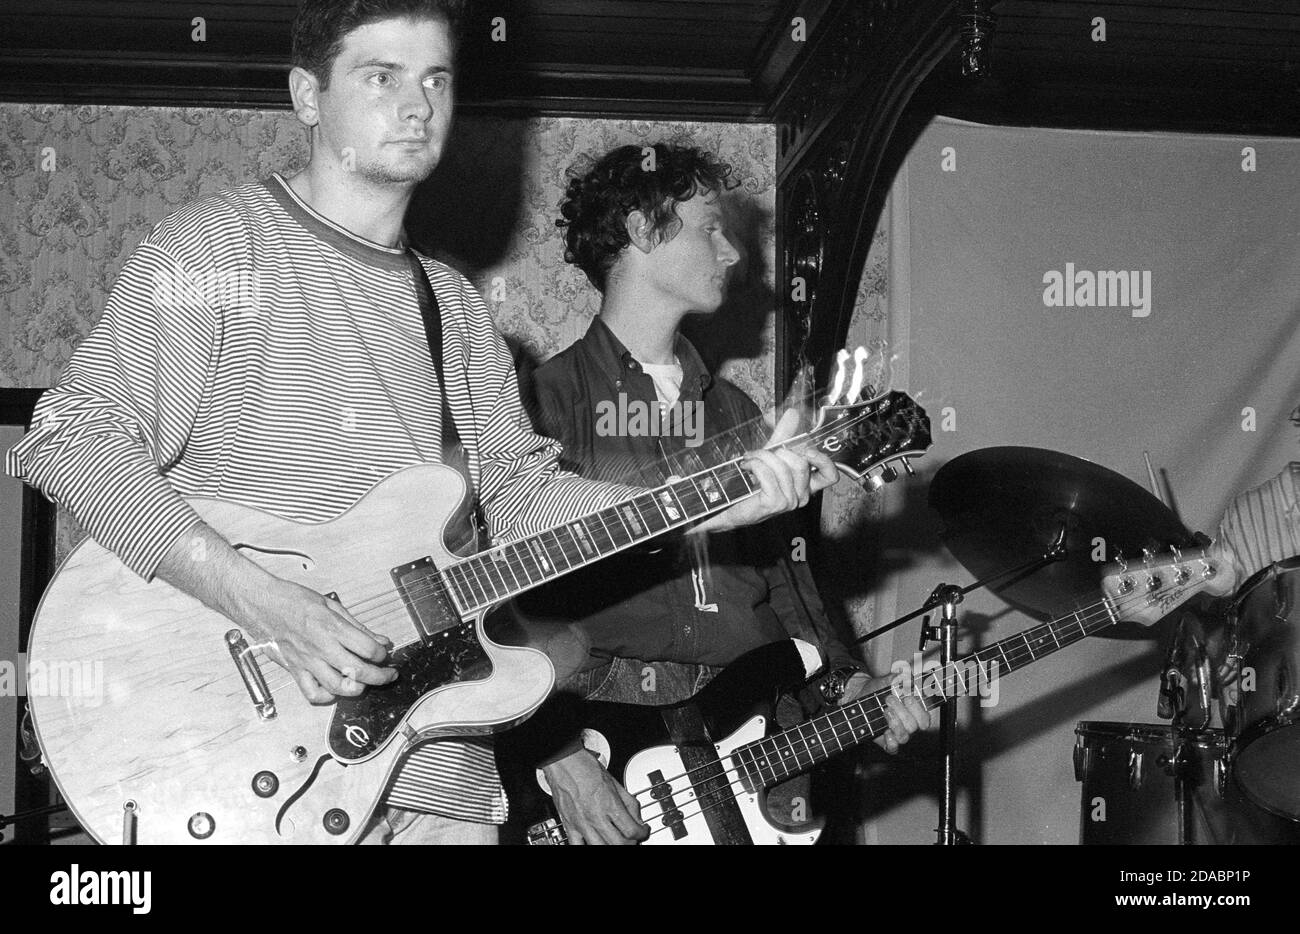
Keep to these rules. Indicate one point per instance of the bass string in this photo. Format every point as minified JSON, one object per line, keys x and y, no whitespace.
{"x":1093,"y":613}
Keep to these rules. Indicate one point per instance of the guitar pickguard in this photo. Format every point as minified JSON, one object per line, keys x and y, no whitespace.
{"x":361,"y":725}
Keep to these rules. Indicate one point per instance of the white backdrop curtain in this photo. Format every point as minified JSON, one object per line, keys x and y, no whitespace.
{"x":1205,"y":382}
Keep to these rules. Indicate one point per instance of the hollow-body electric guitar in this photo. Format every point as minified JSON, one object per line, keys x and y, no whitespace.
{"x":186,"y":732}
{"x":693,"y":790}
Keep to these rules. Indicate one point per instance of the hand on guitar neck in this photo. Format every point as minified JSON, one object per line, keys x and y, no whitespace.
{"x":328,"y":653}
{"x":787,"y":477}
{"x":906,"y":715}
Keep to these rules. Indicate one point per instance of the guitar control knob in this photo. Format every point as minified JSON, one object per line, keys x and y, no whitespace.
{"x":336,"y":821}
{"x":889,"y":475}
{"x":201,"y":825}
{"x":265,"y":784}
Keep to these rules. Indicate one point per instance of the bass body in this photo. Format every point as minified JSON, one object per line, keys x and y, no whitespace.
{"x":692,"y":788}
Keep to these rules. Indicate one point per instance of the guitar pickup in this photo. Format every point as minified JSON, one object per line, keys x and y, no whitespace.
{"x":421,"y":586}
{"x":251,"y":672}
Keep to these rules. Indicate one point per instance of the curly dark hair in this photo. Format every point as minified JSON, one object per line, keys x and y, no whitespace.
{"x":600,"y":197}
{"x":320,"y":26}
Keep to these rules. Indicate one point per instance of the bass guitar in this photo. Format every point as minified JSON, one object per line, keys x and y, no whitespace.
{"x":693,"y":790}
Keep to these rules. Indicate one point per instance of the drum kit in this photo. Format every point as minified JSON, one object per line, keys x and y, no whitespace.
{"x":1032,"y":519}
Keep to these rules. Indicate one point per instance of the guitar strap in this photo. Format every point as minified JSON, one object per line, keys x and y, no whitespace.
{"x":453,"y":449}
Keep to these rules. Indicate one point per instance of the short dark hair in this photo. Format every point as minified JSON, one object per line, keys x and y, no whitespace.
{"x":600,"y":197}
{"x":320,"y":26}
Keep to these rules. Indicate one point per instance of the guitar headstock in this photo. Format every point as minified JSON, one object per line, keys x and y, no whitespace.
{"x":1148,"y":590}
{"x":865,"y":437}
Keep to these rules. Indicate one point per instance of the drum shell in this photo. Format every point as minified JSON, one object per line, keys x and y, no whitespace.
{"x":1265,"y":722}
{"x":1128,"y":768}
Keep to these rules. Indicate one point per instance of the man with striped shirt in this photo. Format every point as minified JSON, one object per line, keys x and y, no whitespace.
{"x":1262,"y":525}
{"x":266,"y":345}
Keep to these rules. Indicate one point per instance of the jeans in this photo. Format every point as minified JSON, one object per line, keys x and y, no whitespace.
{"x":395,"y":826}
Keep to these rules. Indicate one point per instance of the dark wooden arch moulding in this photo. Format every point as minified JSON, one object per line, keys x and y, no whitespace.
{"x":837,"y":151}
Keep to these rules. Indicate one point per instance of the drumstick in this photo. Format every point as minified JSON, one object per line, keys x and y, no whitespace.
{"x":1156,"y":489}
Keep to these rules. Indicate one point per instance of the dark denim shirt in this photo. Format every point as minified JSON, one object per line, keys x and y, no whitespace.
{"x":699,"y":600}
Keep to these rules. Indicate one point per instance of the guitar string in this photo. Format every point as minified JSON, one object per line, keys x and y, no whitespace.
{"x":712,"y":788}
{"x":719,"y":792}
{"x":395,"y":605}
{"x":575,"y":555}
{"x":859,"y":709}
{"x":391,"y":604}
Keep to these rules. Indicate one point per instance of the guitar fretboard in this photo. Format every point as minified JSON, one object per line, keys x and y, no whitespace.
{"x":508,"y":570}
{"x":858,"y":437}
{"x":777,"y":757}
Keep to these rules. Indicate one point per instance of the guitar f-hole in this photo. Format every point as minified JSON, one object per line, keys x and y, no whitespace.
{"x":251,"y":672}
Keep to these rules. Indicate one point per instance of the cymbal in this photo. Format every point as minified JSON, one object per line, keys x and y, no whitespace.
{"x":1003,"y":506}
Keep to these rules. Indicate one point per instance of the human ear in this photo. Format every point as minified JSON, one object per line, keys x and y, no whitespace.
{"x":304,"y":90}
{"x":638,"y":231}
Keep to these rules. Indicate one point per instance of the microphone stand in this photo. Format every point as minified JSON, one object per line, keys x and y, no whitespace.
{"x":946,"y":598}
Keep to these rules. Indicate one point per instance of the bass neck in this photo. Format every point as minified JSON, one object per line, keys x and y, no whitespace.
{"x":777,"y":757}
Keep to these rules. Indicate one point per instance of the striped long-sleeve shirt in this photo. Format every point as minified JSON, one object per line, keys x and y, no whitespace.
{"x":1262,"y":525}
{"x":254,"y":351}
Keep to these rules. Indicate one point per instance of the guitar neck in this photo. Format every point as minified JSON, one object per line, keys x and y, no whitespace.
{"x":777,"y":757}
{"x":858,"y":437}
{"x":488,"y":578}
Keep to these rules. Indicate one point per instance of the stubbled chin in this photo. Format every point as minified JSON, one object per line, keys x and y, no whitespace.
{"x":400,"y":173}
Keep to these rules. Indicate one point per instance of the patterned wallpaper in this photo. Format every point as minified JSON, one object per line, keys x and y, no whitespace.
{"x":79,"y":187}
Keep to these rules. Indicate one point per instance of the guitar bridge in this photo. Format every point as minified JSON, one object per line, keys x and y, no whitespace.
{"x":251,"y":672}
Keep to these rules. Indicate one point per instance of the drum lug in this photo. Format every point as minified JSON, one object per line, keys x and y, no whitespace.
{"x":1135,"y":769}
{"x":1221,"y":766}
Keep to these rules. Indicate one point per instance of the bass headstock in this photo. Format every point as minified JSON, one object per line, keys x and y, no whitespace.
{"x":1147,"y":591}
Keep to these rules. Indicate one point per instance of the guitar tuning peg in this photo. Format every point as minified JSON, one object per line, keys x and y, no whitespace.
{"x":1177,"y":553}
{"x":1209,"y":569}
{"x":1119,"y":559}
{"x":1148,"y":556}
{"x":871,"y":482}
{"x":907,"y":465}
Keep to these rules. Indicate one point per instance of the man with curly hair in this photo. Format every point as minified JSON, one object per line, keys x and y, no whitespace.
{"x":631,"y":402}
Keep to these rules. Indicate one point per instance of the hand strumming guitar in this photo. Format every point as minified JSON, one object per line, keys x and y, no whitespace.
{"x":593,"y":806}
{"x":328,"y":652}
